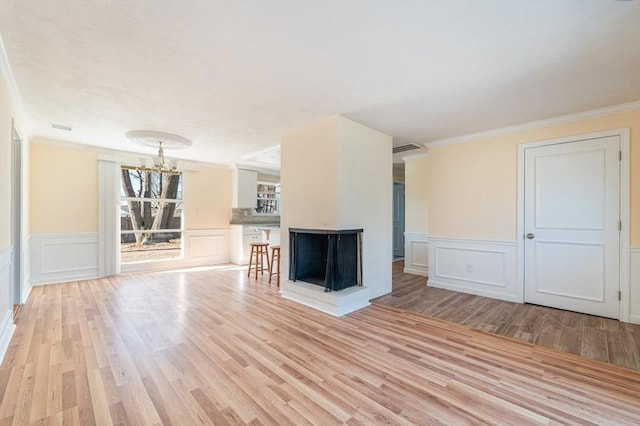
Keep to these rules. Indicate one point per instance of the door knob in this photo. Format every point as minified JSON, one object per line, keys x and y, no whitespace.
{"x":530,"y":236}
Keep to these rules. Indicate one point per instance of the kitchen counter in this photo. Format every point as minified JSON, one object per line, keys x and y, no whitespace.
{"x":246,"y":217}
{"x":271,"y":233}
{"x":267,"y":221}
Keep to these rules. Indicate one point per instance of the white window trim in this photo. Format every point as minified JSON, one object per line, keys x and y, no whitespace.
{"x":151,"y":262}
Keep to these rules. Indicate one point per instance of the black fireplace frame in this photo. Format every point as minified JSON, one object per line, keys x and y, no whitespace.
{"x":338,"y":275}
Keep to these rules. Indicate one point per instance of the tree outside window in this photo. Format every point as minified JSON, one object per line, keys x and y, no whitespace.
{"x":150,"y":215}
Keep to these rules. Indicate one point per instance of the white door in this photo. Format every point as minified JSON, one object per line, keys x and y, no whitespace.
{"x":398,"y":220}
{"x":572,"y":217}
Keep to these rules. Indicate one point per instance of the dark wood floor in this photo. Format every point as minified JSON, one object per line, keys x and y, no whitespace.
{"x":593,"y":337}
{"x":214,"y":347}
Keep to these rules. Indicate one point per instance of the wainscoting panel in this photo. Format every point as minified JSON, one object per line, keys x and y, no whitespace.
{"x":202,"y":247}
{"x":416,"y":253}
{"x":634,"y":281}
{"x":7,"y":326}
{"x":484,"y":268}
{"x":210,"y":246}
{"x":26,"y":270}
{"x":59,"y":258}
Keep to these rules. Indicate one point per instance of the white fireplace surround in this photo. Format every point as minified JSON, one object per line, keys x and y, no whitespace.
{"x":336,"y":303}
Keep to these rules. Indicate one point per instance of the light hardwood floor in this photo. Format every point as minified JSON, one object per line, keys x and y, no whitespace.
{"x":603,"y":339}
{"x":213,"y":347}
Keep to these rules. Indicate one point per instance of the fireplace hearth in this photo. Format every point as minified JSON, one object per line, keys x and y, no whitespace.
{"x":331,"y":259}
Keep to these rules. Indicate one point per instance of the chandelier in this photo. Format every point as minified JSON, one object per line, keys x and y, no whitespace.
{"x":162,"y":141}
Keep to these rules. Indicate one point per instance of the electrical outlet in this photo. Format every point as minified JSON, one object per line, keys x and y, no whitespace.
{"x":469,"y":268}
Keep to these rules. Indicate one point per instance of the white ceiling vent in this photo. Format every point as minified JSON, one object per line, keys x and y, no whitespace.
{"x":58,"y":126}
{"x":406,"y":147}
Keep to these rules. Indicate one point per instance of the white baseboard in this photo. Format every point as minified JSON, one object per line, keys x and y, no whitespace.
{"x":59,"y":258}
{"x":416,"y":253}
{"x":480,"y":267}
{"x":336,"y":303}
{"x":7,"y":326}
{"x":634,"y":284}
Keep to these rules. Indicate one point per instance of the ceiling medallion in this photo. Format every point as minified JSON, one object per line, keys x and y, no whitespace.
{"x":159,"y":140}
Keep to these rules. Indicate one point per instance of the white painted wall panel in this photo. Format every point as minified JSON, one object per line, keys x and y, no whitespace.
{"x":213,"y":244}
{"x":479,"y":266}
{"x":202,"y":247}
{"x":6,"y":318}
{"x":63,"y":257}
{"x":416,"y":253}
{"x":485,"y":268}
{"x":634,"y":280}
{"x":72,"y":257}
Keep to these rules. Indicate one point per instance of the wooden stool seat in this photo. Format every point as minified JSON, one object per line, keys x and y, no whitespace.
{"x":275,"y":257}
{"x":258,"y":252}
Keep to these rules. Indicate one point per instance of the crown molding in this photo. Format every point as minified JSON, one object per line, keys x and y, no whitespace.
{"x":547,"y":122}
{"x":110,"y":154}
{"x":14,"y":93}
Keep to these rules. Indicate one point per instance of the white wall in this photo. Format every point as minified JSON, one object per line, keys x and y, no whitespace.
{"x":10,"y":112}
{"x":365,"y":198}
{"x":309,"y":177}
{"x":473,"y":200}
{"x":66,"y":244}
{"x":416,"y":238}
{"x":337,"y":174}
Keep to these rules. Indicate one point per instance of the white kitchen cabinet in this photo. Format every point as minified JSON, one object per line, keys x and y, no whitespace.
{"x":268,"y":201}
{"x":247,"y":239}
{"x":241,"y":238}
{"x":246,"y":186}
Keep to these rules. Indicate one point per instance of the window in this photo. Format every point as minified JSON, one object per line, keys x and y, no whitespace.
{"x":268,"y":198}
{"x":150,"y":215}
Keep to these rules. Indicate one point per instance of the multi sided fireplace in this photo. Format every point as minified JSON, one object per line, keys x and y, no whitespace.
{"x":331,"y":259}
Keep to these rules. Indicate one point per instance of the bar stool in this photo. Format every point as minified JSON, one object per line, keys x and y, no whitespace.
{"x":275,"y":257}
{"x":258,"y":253}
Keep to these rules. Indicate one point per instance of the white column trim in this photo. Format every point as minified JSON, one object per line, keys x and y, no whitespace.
{"x":108,"y":218}
{"x":623,"y":134}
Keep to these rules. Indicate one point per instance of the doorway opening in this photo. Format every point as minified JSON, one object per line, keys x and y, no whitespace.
{"x":398,"y":221}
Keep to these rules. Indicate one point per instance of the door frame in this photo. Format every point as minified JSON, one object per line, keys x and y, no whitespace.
{"x":623,"y":134}
{"x":17,"y":216}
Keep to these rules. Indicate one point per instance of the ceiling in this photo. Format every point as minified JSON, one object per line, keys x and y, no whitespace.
{"x":235,"y":76}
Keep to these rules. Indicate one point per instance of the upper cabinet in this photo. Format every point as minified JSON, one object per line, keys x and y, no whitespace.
{"x":256,"y":191}
{"x":268,"y":198}
{"x":246,"y":185}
